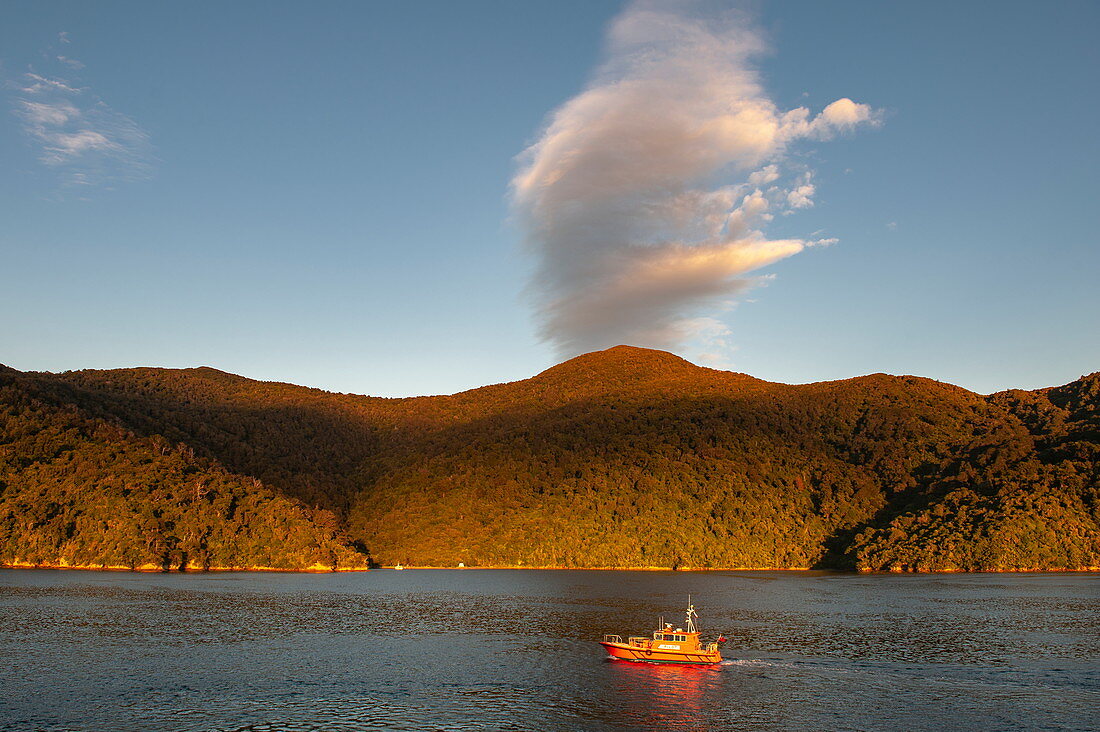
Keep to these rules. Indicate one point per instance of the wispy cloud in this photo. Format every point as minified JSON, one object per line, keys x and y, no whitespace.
{"x":77,"y":134}
{"x":646,"y":197}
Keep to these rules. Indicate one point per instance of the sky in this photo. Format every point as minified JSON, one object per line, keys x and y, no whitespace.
{"x":418,"y":198}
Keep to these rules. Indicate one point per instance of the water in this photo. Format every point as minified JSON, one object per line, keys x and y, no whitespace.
{"x":514,"y":650}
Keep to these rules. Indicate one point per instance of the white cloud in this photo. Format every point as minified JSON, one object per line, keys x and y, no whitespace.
{"x":86,"y":141}
{"x":712,"y":338}
{"x":62,"y":147}
{"x":802,"y":195}
{"x":765,"y":175}
{"x":846,"y":114}
{"x":843,"y":115}
{"x":42,"y":114}
{"x":44,"y":85}
{"x":645,"y":198}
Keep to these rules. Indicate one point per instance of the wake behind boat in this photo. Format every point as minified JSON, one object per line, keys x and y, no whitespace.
{"x":668,"y":645}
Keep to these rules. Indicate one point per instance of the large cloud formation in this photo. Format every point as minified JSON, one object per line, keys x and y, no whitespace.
{"x":645,"y":197}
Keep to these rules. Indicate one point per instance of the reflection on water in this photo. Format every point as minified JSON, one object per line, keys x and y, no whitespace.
{"x":669,"y":697}
{"x":425,"y":649}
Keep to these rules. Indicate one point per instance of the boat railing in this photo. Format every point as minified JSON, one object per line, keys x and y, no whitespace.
{"x":639,"y":641}
{"x":712,"y":648}
{"x":612,"y":639}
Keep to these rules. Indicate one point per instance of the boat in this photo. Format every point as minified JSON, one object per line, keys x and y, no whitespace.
{"x":668,"y":644}
{"x":398,"y":567}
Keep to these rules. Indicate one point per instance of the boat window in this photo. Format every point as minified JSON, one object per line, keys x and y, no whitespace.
{"x":669,"y":637}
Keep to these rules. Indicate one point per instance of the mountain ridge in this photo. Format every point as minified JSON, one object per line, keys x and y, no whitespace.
{"x":637,"y":356}
{"x":570,"y":467}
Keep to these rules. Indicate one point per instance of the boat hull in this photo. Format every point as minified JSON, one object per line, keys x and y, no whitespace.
{"x":637,"y":654}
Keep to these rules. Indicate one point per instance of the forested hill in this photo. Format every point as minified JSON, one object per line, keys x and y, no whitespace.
{"x":624,"y":457}
{"x":78,"y":489}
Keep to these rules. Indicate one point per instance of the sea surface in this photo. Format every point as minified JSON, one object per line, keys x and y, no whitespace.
{"x":515,"y":650}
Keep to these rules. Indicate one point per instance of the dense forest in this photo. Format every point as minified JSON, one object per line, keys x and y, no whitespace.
{"x":621,"y":458}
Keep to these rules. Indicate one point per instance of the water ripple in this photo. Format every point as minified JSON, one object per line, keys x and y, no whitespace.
{"x":513,"y":650}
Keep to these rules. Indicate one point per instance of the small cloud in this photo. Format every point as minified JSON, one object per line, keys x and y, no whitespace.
{"x":37,"y":84}
{"x":72,"y":63}
{"x":61,"y":147}
{"x":892,"y":226}
{"x":765,"y":175}
{"x":802,"y":196}
{"x":843,"y":115}
{"x":42,"y":114}
{"x":710,"y":338}
{"x":63,"y":36}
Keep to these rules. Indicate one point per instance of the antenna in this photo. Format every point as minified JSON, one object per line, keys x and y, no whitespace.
{"x":690,"y":615}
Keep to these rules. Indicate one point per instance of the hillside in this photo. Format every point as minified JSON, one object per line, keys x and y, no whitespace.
{"x":623,"y":457}
{"x":79,"y":490}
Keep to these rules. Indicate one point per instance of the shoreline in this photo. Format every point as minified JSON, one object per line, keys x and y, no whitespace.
{"x":156,"y":569}
{"x":1029,"y":570}
{"x":321,"y":569}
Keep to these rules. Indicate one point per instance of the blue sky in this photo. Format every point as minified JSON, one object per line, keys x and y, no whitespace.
{"x":320,"y":193}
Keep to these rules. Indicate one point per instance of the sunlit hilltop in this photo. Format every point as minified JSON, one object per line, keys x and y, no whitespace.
{"x":623,"y":457}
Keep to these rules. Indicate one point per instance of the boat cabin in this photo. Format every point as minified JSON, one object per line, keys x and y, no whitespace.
{"x":682,"y":640}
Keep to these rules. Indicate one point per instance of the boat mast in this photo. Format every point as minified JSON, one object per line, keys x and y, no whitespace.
{"x":690,"y":615}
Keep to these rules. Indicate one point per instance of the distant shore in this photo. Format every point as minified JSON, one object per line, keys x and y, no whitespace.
{"x":1034,"y":570}
{"x":322,"y":569}
{"x":153,"y":568}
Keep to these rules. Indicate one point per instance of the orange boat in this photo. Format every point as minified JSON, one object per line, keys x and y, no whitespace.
{"x":668,"y":645}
